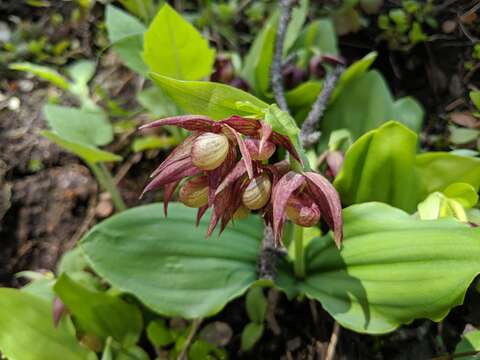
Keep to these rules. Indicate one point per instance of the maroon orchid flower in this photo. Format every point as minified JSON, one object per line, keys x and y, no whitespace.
{"x":208,"y":158}
{"x":303,"y":198}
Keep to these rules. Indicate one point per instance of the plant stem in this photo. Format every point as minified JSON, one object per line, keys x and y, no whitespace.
{"x":105,"y":179}
{"x":299,"y":265}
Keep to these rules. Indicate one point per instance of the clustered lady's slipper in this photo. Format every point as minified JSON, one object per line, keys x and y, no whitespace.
{"x":232,"y":185}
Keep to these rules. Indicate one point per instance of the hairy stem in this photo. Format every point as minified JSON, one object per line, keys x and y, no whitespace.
{"x":308,"y":133}
{"x":105,"y":179}
{"x":276,"y":67}
{"x":299,"y":265}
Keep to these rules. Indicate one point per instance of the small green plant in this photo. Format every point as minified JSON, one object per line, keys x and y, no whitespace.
{"x":398,"y":218}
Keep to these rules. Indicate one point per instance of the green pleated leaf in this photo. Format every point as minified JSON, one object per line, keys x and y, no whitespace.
{"x":440,"y":169}
{"x":174,"y":48}
{"x":206,"y":98}
{"x":392,"y":268}
{"x":380,"y":167}
{"x":168,"y":264}
{"x":359,"y":111}
{"x":27,"y":330}
{"x":99,"y":313}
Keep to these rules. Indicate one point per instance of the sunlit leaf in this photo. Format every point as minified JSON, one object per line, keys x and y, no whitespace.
{"x":380,"y":166}
{"x":174,"y":48}
{"x":206,"y":98}
{"x":27,"y":330}
{"x":43,"y":72}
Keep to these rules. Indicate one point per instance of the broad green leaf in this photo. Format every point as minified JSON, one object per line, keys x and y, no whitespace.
{"x":256,"y":67}
{"x":409,"y":112}
{"x":99,"y":313}
{"x":256,"y":304}
{"x":304,"y":94}
{"x":319,"y":37}
{"x":212,"y":99}
{"x":174,"y":48}
{"x":392,"y":268}
{"x":470,"y":342}
{"x":298,"y":17}
{"x":475,"y":97}
{"x":168,"y":264}
{"x":250,"y":335}
{"x":157,"y":102}
{"x":43,"y":72}
{"x":463,"y":193}
{"x":27,"y":330}
{"x":42,"y":288}
{"x":80,"y":125}
{"x":159,"y":334}
{"x":438,"y":170}
{"x":380,"y":166}
{"x":125,"y":33}
{"x":88,"y":153}
{"x":364,"y":104}
{"x":355,"y":70}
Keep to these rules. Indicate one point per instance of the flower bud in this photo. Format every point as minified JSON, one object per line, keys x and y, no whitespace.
{"x":209,"y":151}
{"x":257,"y":193}
{"x":253,"y":146}
{"x":194,"y":193}
{"x":241,"y":213}
{"x":302,"y":211}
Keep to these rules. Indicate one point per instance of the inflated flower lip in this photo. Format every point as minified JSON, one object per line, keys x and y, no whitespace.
{"x":318,"y":189}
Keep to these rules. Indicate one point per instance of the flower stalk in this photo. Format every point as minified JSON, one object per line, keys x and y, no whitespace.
{"x":299,"y":264}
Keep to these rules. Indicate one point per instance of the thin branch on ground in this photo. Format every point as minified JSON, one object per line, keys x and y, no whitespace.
{"x":333,"y":342}
{"x":195,"y":325}
{"x":309,"y":134}
{"x":277,"y":63}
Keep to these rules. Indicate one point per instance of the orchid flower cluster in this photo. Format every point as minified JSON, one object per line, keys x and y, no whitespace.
{"x":224,"y":165}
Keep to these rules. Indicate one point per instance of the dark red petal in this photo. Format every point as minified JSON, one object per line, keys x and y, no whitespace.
{"x":216,"y":176}
{"x":334,"y":161}
{"x":285,"y":187}
{"x":266,"y":134}
{"x":174,"y":172}
{"x":326,"y":197}
{"x":188,"y":122}
{"x":201,"y":211}
{"x":238,"y":171}
{"x":168,"y":191}
{"x":244,"y":151}
{"x":182,"y":151}
{"x":285,"y":142}
{"x":257,"y":152}
{"x":248,"y":127}
{"x":58,"y":310}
